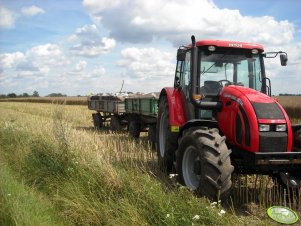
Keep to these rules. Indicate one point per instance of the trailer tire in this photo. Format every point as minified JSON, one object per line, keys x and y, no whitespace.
{"x":134,"y":129}
{"x":166,"y":140}
{"x":203,"y":163}
{"x":97,"y":120}
{"x":115,"y":124}
{"x":151,"y":136}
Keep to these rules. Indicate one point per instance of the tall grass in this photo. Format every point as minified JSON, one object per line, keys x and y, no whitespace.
{"x":93,"y":177}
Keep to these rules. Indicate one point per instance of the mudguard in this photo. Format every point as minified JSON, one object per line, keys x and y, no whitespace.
{"x":176,"y":108}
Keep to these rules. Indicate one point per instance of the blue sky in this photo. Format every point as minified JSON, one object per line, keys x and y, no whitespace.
{"x":78,"y":47}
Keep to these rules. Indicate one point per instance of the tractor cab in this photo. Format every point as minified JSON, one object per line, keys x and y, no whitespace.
{"x":206,"y":67}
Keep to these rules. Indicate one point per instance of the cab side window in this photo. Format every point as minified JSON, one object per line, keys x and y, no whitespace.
{"x":186,"y":75}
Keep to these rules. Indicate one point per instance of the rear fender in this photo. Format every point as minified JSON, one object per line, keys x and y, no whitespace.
{"x":176,"y":108}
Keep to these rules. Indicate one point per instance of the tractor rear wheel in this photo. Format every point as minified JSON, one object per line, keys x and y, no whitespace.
{"x":204,"y":164}
{"x":166,"y":140}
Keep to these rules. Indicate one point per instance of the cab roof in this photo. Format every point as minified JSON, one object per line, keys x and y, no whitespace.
{"x":229,"y":44}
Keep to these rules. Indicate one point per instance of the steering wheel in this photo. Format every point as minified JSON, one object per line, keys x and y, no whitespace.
{"x":227,"y":82}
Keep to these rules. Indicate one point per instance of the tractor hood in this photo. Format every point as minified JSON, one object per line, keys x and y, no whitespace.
{"x":251,"y":94}
{"x":247,"y":109}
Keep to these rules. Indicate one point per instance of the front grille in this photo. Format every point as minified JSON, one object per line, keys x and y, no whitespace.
{"x":267,"y":111}
{"x":272,"y":141}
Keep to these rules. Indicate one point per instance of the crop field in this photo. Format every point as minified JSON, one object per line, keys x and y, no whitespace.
{"x":292,"y":104}
{"x":56,"y":169}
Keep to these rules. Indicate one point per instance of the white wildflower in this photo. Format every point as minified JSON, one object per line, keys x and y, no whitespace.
{"x":172,"y":175}
{"x":167,"y":215}
{"x":213,"y":204}
{"x":8,"y":194}
{"x":196,"y":217}
{"x":222,"y":212}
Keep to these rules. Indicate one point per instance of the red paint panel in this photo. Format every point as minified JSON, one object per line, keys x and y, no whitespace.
{"x":238,"y":96}
{"x":229,"y":44}
{"x":176,"y":107}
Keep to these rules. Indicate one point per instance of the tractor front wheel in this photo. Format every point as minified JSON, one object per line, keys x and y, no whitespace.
{"x":166,"y":140}
{"x":203,"y":163}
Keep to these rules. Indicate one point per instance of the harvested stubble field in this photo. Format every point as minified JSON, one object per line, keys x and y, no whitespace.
{"x":55,"y":169}
{"x":292,"y":104}
{"x":60,"y":100}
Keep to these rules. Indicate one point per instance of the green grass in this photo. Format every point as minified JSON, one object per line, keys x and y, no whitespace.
{"x":60,"y":170}
{"x":21,"y":205}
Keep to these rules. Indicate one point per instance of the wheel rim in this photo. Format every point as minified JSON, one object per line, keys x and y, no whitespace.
{"x":191,"y":168}
{"x":162,"y":134}
{"x":289,"y":180}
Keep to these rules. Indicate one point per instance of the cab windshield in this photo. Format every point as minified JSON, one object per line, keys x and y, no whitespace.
{"x":229,"y":67}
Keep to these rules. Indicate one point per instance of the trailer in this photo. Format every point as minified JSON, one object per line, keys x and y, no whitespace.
{"x":135,"y":112}
{"x":108,"y":108}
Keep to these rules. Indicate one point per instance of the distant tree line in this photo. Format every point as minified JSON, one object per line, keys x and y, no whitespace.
{"x":289,"y":94}
{"x":34,"y":94}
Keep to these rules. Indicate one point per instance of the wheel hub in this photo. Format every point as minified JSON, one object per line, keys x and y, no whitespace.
{"x":191,"y":168}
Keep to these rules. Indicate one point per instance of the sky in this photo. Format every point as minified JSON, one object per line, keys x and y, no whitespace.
{"x":79,"y":47}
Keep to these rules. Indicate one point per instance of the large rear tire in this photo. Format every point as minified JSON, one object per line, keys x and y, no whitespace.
{"x":203,"y":163}
{"x":166,"y":140}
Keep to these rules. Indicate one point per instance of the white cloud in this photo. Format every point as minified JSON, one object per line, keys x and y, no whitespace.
{"x":147,"y":62}
{"x":142,"y":21}
{"x":7,"y":18}
{"x":32,"y":10}
{"x":96,"y":73}
{"x":146,"y":69}
{"x":94,"y":6}
{"x":89,"y":42}
{"x":80,"y":66}
{"x":8,"y":60}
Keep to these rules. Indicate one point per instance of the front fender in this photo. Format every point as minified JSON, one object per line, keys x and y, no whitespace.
{"x":176,"y":106}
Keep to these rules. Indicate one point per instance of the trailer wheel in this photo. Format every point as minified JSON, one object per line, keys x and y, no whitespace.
{"x":166,"y":140}
{"x":151,"y":136}
{"x":115,"y":124}
{"x":203,"y":163}
{"x":97,"y":120}
{"x":134,"y":129}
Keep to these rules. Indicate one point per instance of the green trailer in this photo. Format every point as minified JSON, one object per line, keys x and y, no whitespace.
{"x":136,"y":112}
{"x":142,"y":106}
{"x":141,"y":113}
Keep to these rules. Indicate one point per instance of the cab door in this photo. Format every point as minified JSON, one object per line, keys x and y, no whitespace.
{"x":183,"y":83}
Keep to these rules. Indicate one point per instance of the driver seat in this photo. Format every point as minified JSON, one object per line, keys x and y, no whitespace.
{"x":211,"y":87}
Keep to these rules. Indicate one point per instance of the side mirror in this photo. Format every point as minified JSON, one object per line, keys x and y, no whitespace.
{"x":181,"y":54}
{"x":283,"y":59}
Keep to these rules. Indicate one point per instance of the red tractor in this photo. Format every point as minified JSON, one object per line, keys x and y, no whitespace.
{"x":220,"y":118}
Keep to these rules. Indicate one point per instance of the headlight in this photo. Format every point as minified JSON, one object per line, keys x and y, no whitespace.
{"x":264,"y":127}
{"x":281,"y":128}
